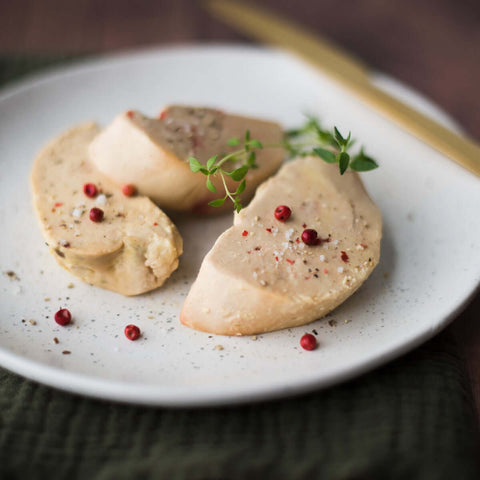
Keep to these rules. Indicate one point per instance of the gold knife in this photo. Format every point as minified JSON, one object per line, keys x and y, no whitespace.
{"x":349,"y":72}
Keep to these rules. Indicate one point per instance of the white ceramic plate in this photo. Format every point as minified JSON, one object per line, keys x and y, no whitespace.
{"x":430,"y":261}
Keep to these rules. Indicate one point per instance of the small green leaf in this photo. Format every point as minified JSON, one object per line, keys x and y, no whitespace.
{"x":239,"y":173}
{"x":211,"y":161}
{"x":217,"y":203}
{"x":195,"y":165}
{"x":204,"y":171}
{"x":237,"y":205}
{"x":294,"y":132}
{"x":338,"y":136}
{"x":351,"y":143}
{"x":343,"y":161}
{"x":312,"y":124}
{"x":251,"y":160}
{"x":324,"y":154}
{"x":241,"y":187}
{"x":211,"y":186}
{"x":293,"y":150}
{"x":247,"y":136}
{"x":327,"y":138}
{"x":233,"y":142}
{"x":363,"y":163}
{"x":214,"y":170}
{"x":255,"y":144}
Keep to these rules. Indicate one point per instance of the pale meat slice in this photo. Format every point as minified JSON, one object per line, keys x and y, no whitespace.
{"x":153,"y":154}
{"x":259,"y":276}
{"x":133,"y":250}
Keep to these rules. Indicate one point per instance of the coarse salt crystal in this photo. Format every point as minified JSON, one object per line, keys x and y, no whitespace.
{"x":289,"y":233}
{"x":335,"y":242}
{"x":301,"y":246}
{"x":340,"y":269}
{"x":77,"y":212}
{"x":322,"y":258}
{"x":77,"y":234}
{"x":63,"y":242}
{"x":255,"y":275}
{"x":101,"y":199}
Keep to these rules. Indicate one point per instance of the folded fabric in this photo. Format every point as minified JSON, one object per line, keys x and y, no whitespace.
{"x":410,"y":419}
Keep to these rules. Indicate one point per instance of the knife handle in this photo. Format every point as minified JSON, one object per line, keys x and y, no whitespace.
{"x":458,"y":148}
{"x":347,"y":71}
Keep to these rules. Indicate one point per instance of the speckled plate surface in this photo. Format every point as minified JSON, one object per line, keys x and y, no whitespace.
{"x":430,"y":261}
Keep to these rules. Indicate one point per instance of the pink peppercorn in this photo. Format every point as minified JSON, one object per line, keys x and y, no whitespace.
{"x":132,"y":332}
{"x":308,"y":342}
{"x":310,"y":236}
{"x":282,"y":213}
{"x":90,"y":190}
{"x":129,"y":190}
{"x":96,"y":214}
{"x":63,"y":317}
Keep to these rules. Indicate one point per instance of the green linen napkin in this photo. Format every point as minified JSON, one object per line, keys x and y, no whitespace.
{"x":411,"y":419}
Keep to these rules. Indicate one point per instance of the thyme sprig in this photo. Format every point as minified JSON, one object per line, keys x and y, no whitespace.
{"x":330,"y":146}
{"x":308,"y":140}
{"x":245,"y":156}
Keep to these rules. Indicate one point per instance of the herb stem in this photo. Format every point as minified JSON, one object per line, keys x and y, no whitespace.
{"x":242,"y":151}
{"x":228,"y":157}
{"x":227,"y":191}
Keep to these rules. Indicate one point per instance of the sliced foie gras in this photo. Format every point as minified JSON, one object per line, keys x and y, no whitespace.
{"x":133,"y":249}
{"x":153,"y":154}
{"x":260,"y":275}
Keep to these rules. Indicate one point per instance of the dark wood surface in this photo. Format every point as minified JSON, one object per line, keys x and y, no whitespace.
{"x":432,"y":45}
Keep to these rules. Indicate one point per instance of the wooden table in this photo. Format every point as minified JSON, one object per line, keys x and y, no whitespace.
{"x":432,"y":45}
